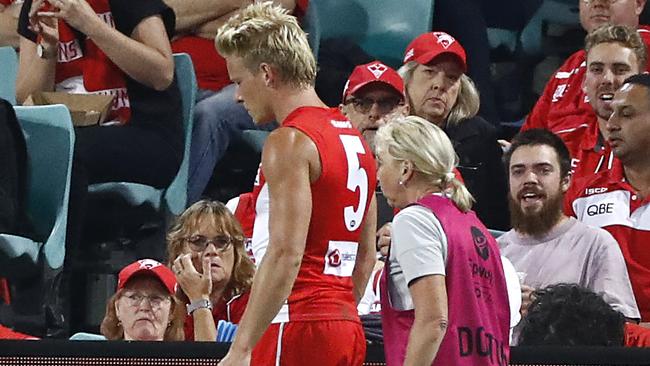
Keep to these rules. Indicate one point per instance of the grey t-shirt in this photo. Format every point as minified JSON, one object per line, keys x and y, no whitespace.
{"x":573,"y":253}
{"x":418,"y":248}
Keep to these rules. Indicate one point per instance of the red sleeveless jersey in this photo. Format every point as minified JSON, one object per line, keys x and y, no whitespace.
{"x":340,"y":200}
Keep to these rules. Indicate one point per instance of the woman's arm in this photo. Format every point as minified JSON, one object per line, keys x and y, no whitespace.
{"x":429,"y":295}
{"x":146,"y":56}
{"x":36,"y":73}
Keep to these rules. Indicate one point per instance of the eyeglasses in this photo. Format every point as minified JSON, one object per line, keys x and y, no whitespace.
{"x":156,"y":301}
{"x":587,"y":2}
{"x":363,"y":105}
{"x":198,"y":243}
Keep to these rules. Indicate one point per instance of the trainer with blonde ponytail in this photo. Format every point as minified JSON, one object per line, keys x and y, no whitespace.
{"x":444,"y":297}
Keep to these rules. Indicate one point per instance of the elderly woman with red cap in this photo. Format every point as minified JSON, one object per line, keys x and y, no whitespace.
{"x":438,"y":90}
{"x":144,"y":307}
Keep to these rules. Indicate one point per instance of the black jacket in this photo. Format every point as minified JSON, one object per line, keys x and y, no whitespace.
{"x":479,"y":153}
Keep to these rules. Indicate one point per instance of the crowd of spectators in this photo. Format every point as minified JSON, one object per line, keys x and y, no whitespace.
{"x":567,"y":198}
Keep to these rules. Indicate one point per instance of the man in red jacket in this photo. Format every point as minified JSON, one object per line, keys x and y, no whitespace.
{"x":563,"y":105}
{"x":613,"y":54}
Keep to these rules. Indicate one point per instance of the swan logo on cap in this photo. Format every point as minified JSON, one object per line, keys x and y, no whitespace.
{"x":377,"y":69}
{"x":444,"y":39}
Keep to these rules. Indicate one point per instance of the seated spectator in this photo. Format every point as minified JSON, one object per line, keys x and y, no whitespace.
{"x":9,"y":10}
{"x":547,"y":247}
{"x":129,"y":317}
{"x":439,"y":91}
{"x":613,"y":53}
{"x":428,"y":310}
{"x":218,"y":118}
{"x":373,"y":94}
{"x":206,"y":251}
{"x":564,"y":104}
{"x":618,"y":199}
{"x":571,"y":315}
{"x":124,"y":52}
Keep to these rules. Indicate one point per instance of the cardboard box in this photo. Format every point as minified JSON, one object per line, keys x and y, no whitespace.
{"x":85,"y":109}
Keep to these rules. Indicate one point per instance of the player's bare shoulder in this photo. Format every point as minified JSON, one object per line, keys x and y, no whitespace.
{"x":290,"y":148}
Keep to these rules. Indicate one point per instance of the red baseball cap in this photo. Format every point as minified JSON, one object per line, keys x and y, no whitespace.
{"x":151,"y":267}
{"x":373,"y":72}
{"x":428,"y":46}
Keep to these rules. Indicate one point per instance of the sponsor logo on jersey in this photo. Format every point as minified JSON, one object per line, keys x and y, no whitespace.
{"x":604,"y":209}
{"x":341,"y":124}
{"x":595,"y":190}
{"x":340,"y":258}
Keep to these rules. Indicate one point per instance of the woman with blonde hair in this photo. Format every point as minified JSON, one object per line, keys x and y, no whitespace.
{"x":443,"y":285}
{"x":206,"y":251}
{"x":129,"y":317}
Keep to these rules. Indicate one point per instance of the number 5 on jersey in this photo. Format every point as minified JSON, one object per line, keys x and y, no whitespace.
{"x":357,"y":180}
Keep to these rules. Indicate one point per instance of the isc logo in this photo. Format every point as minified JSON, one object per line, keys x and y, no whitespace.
{"x":591,"y":191}
{"x":599,"y":209}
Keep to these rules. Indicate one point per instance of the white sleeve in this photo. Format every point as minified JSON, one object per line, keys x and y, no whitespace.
{"x":232,"y":204}
{"x":419,"y":243}
{"x":514,"y":291}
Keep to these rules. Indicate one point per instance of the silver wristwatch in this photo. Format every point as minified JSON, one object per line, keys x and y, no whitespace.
{"x":198,"y":304}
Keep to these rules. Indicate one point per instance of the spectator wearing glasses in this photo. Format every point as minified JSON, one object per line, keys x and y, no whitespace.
{"x":373,"y":94}
{"x":144,"y":307}
{"x":206,"y":251}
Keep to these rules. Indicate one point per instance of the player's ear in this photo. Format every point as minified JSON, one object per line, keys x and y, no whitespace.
{"x":268,"y":74}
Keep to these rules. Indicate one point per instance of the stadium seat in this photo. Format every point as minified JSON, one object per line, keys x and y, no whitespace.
{"x":34,"y":265}
{"x":9,"y":62}
{"x":49,"y":136}
{"x":172,"y":200}
{"x":383,"y":28}
{"x":563,"y":12}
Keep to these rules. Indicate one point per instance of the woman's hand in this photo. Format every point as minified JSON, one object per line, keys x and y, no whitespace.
{"x":77,"y":13}
{"x":195,"y":285}
{"x":46,"y":27}
{"x":384,"y":239}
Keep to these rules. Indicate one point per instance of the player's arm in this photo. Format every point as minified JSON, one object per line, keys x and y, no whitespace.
{"x":286,"y":160}
{"x":429,"y":295}
{"x":367,"y":253}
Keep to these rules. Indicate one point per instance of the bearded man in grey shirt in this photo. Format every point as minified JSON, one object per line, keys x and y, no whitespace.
{"x":545,"y":246}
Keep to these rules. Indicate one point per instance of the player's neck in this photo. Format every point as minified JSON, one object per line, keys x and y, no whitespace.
{"x":289,"y":99}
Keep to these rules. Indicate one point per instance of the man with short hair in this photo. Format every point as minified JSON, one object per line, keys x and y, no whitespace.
{"x":613,"y":54}
{"x":315,"y":214}
{"x":546,"y":246}
{"x":373,"y":94}
{"x":618,"y":200}
{"x":564,"y":104}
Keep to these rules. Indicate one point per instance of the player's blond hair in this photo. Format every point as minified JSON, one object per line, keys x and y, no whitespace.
{"x":468,"y":101}
{"x":428,"y":148}
{"x":266,"y":33}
